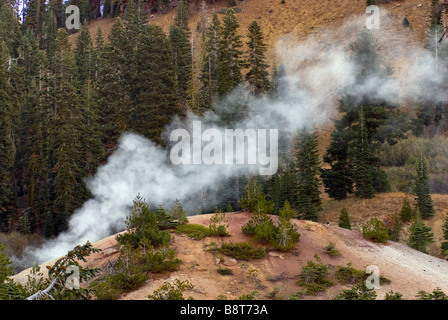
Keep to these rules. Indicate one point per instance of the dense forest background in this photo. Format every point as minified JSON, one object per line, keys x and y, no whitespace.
{"x":63,"y":109}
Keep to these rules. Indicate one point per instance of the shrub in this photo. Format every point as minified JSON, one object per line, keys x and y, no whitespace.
{"x":161,"y":260}
{"x":375,"y":230}
{"x":331,"y":249}
{"x":218,"y":224}
{"x":225,"y":271}
{"x":169,"y":291}
{"x":266,"y":232}
{"x":195,"y":231}
{"x":287,"y":235}
{"x":349,"y":275}
{"x":178,"y":213}
{"x":436,"y":294}
{"x":357,"y":292}
{"x":393,"y":296}
{"x":314,"y":277}
{"x":243,"y":251}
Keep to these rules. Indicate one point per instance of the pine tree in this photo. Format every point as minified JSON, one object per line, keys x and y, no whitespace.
{"x":182,"y":15}
{"x":229,"y":55}
{"x":155,"y":101}
{"x":67,"y":184}
{"x":257,"y":76}
{"x":406,"y":211}
{"x":209,"y":72}
{"x":423,"y":190}
{"x":444,"y":244}
{"x":84,"y":54}
{"x":421,"y":235}
{"x":135,"y":18}
{"x":7,"y":144}
{"x":362,"y":168}
{"x":113,"y":84}
{"x":6,"y":268}
{"x":382,"y":122}
{"x":344,"y":219}
{"x":338,"y":179}
{"x":182,"y":60}
{"x":309,"y":201}
{"x":279,"y":84}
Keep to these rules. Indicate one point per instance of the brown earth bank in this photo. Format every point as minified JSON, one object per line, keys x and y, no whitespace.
{"x":408,"y":270}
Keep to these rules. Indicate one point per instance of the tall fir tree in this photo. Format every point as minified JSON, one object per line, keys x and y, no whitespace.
{"x":209,"y":72}
{"x":135,"y":18}
{"x":7,"y":144}
{"x":155,"y":100}
{"x":114,"y":79}
{"x":66,"y":174}
{"x":382,"y":121}
{"x":182,"y":60}
{"x":444,"y":244}
{"x":423,"y":190}
{"x":362,"y":174}
{"x":309,"y":201}
{"x":229,"y":55}
{"x":257,"y":75}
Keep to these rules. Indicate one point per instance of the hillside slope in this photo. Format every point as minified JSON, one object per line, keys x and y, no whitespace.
{"x":408,"y":270}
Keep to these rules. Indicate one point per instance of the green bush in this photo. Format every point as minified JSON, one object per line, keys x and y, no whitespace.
{"x":375,"y":230}
{"x":357,"y":292}
{"x":224,"y":271}
{"x":161,"y":260}
{"x":243,"y":250}
{"x":195,"y":231}
{"x":331,"y":249}
{"x":436,"y":294}
{"x":393,"y":296}
{"x":314,"y":277}
{"x":170,"y":291}
{"x":349,"y":275}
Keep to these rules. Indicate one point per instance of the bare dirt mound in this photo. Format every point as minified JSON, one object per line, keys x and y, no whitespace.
{"x":275,"y":276}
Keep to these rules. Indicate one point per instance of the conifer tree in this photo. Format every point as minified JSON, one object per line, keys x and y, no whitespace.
{"x":421,"y":235}
{"x":155,"y":101}
{"x":67,"y":184}
{"x":182,"y":15}
{"x":444,"y":244}
{"x":309,"y":201}
{"x":182,"y":60}
{"x":229,"y":55}
{"x":362,"y":168}
{"x":257,"y":76}
{"x":344,"y":219}
{"x":423,"y":190}
{"x":113,"y":84}
{"x":7,"y":145}
{"x":135,"y":18}
{"x":382,"y":122}
{"x":209,"y":72}
{"x":406,"y":211}
{"x":279,"y":83}
{"x":84,"y":54}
